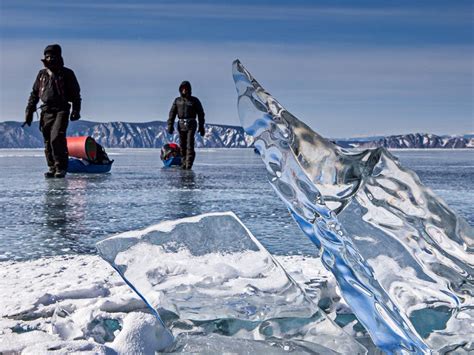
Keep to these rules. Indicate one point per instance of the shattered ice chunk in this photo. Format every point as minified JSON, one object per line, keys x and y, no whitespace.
{"x":209,"y":275}
{"x":403,"y":260}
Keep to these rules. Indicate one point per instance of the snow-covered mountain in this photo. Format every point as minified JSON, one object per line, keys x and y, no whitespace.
{"x":153,"y":135}
{"x":123,"y":135}
{"x":412,"y":140}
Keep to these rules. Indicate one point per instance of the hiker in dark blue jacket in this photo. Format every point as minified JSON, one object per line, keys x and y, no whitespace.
{"x":187,"y":107}
{"x":56,"y":86}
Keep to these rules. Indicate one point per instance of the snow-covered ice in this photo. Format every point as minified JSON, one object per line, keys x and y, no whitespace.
{"x":209,"y":275}
{"x":41,"y":299}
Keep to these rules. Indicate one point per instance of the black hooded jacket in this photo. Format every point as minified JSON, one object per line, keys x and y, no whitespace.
{"x":55,"y":87}
{"x":186,"y":107}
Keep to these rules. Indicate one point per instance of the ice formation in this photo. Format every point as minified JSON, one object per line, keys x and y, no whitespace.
{"x":208,"y":276}
{"x":403,"y":260}
{"x":69,"y":304}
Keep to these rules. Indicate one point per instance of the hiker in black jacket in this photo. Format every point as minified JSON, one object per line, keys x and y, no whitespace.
{"x":56,"y":86}
{"x":187,"y":107}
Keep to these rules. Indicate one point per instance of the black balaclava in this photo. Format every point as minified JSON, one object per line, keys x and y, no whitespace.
{"x":52,"y":57}
{"x":187,"y":85}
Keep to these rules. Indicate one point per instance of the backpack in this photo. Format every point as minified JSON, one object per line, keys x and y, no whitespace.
{"x":51,"y":87}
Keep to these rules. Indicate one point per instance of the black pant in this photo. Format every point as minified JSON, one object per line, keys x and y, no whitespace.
{"x":187,"y":129}
{"x":53,"y":125}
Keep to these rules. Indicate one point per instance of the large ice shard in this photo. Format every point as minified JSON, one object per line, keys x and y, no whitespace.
{"x":402,"y":259}
{"x":208,"y":275}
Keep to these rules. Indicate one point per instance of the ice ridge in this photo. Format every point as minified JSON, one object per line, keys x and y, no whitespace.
{"x":403,"y":260}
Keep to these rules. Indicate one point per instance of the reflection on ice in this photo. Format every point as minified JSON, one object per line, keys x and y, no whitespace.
{"x":209,"y":275}
{"x":403,"y":260}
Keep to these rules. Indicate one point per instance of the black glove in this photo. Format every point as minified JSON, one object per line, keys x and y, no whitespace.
{"x":202,"y":131}
{"x":75,"y":115}
{"x":28,"y":118}
{"x":170,"y":130}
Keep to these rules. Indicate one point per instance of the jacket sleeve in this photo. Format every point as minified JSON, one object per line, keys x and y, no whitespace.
{"x":172,"y":115}
{"x":74,"y":92}
{"x":200,"y":113}
{"x":34,"y":95}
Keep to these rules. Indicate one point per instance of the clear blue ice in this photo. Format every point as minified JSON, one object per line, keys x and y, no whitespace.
{"x":208,"y":275}
{"x":402,"y":258}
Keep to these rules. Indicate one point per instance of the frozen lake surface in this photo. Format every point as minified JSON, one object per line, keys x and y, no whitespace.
{"x":70,"y":301}
{"x":43,"y":217}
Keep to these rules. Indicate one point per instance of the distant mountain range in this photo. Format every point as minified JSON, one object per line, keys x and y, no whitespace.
{"x":411,"y":140}
{"x":123,"y":135}
{"x":153,"y":135}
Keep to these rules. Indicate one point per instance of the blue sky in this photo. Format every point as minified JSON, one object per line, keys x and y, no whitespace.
{"x":347,"y":68}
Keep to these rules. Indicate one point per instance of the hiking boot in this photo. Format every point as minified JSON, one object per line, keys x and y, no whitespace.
{"x":60,"y":174}
{"x":50,"y":173}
